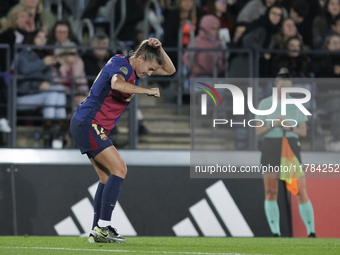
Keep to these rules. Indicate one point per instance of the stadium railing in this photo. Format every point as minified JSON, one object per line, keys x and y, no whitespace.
{"x":179,"y":78}
{"x":5,"y":73}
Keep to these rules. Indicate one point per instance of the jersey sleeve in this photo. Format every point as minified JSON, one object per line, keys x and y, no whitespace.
{"x":118,"y":65}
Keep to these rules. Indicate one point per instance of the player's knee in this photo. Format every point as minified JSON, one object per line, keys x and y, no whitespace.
{"x":121,"y":171}
{"x":302,"y":196}
{"x":271,"y":194}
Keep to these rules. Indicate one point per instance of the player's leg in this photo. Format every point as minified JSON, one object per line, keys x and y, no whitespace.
{"x":111,"y":162}
{"x":305,"y":207}
{"x":103,"y":175}
{"x":271,"y":207}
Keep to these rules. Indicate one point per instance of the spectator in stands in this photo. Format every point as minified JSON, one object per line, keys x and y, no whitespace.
{"x":43,"y":19}
{"x":254,"y":9}
{"x":18,"y":25}
{"x":298,"y":12}
{"x":202,"y":63}
{"x":235,"y":6}
{"x":287,"y":30}
{"x":294,"y":61}
{"x":330,"y":64}
{"x":335,"y":29}
{"x":100,"y":12}
{"x":323,"y":22}
{"x":95,"y":59}
{"x":330,"y":100}
{"x":260,"y":33}
{"x":62,"y":33}
{"x":185,"y":10}
{"x":220,"y":10}
{"x":5,"y":6}
{"x":239,"y":30}
{"x":71,"y":71}
{"x":314,"y":8}
{"x":35,"y":89}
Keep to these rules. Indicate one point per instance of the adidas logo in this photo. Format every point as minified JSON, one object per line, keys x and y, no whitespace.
{"x":207,"y":221}
{"x":83,"y":212}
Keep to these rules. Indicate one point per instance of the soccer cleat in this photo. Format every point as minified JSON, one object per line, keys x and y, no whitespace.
{"x":312,"y":235}
{"x":91,"y":238}
{"x":276,"y":235}
{"x":107,"y":235}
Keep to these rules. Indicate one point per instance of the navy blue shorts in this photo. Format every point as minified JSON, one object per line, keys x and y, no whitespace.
{"x":90,"y":138}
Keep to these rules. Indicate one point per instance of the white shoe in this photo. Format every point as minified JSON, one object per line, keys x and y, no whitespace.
{"x":4,"y":126}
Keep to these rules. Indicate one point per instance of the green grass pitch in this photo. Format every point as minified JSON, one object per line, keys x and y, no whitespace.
{"x":37,"y":245}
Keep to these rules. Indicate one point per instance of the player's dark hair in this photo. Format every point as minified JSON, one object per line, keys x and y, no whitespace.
{"x":301,"y":7}
{"x":150,"y":53}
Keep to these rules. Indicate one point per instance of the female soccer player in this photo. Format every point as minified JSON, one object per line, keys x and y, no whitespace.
{"x":271,"y":155}
{"x":110,"y":94}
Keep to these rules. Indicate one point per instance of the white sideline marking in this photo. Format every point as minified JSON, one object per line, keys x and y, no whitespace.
{"x":154,"y":252}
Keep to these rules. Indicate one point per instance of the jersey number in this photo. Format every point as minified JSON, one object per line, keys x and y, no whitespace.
{"x":129,"y":98}
{"x":96,"y":129}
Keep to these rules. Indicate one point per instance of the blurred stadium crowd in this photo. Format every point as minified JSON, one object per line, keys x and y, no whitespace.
{"x":72,"y":41}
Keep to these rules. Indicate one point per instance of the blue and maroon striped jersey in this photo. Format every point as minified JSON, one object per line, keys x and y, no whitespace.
{"x":104,"y":106}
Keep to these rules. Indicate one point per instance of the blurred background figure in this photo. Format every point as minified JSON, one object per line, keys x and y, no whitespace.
{"x":219,"y":8}
{"x":296,"y":63}
{"x":17,"y":27}
{"x":298,"y":12}
{"x":287,"y":30}
{"x":71,"y":71}
{"x":335,"y":29}
{"x":329,"y":101}
{"x":35,"y":89}
{"x":240,"y":28}
{"x":43,"y":19}
{"x":95,"y":59}
{"x":256,"y":8}
{"x":202,"y":63}
{"x":61,"y":34}
{"x":259,"y":35}
{"x":330,"y":65}
{"x":323,"y":22}
{"x":185,"y":10}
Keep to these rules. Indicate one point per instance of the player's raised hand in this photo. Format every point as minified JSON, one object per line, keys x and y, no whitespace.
{"x":154,"y":42}
{"x":154,"y":92}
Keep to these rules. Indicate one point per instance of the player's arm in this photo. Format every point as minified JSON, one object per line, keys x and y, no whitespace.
{"x":118,"y":83}
{"x":300,"y":130}
{"x":168,"y":67}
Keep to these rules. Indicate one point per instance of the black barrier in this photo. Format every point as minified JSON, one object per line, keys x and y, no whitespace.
{"x":155,"y":200}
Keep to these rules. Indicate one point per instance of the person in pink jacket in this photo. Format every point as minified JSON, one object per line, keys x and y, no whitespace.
{"x":71,"y":70}
{"x":206,"y":38}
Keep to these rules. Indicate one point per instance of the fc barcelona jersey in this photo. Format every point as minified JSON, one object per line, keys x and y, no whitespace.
{"x":104,"y":106}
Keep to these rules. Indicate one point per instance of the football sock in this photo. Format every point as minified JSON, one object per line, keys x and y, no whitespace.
{"x":307,"y":215}
{"x":109,"y":198}
{"x":97,"y":203}
{"x":271,"y":209}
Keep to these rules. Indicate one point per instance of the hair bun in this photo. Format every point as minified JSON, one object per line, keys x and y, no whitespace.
{"x":283,"y":73}
{"x":283,"y":70}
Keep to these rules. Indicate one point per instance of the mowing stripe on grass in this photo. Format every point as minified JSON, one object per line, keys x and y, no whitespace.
{"x":154,"y":252}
